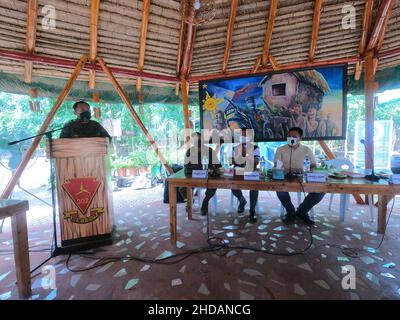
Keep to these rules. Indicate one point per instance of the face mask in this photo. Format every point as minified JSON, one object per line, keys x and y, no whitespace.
{"x":85,"y":115}
{"x":292,"y":141}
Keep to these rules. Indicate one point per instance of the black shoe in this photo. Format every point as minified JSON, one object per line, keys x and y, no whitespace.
{"x":203,"y":212}
{"x":241,"y":206}
{"x":289,"y":217}
{"x":306,"y":218}
{"x":252,"y":216}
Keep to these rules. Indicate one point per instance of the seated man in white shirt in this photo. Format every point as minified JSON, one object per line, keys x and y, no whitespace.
{"x":292,"y":156}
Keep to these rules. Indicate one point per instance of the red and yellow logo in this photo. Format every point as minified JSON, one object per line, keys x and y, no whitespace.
{"x":82,"y":191}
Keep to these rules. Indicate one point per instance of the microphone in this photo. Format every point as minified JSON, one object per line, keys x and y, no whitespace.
{"x":372,"y":176}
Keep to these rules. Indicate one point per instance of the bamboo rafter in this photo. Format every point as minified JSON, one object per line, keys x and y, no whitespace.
{"x":270,"y":26}
{"x":229,"y":34}
{"x":94,"y":20}
{"x":315,"y":29}
{"x":24,"y":162}
{"x":378,"y":32}
{"x":367,"y":21}
{"x":190,"y":30}
{"x":136,"y":117}
{"x":143,"y":36}
{"x":31,"y":23}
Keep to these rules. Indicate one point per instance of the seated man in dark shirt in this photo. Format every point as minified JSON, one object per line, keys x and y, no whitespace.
{"x":193,"y":161}
{"x":83,"y":127}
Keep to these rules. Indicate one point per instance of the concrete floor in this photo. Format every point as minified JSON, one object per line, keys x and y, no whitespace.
{"x":142,"y":222}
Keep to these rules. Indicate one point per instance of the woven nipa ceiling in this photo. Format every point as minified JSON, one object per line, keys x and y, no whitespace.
{"x":120,"y":25}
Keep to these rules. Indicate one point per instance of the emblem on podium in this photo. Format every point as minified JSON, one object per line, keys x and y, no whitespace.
{"x":82,"y":191}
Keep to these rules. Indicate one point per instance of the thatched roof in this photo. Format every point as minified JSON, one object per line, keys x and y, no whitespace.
{"x":119,"y":33}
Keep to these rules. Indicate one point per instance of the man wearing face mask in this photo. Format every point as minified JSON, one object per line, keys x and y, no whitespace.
{"x":82,"y":126}
{"x":292,"y":155}
{"x":246,"y":155}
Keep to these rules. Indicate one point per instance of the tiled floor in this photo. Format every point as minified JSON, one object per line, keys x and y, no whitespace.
{"x":142,"y":222}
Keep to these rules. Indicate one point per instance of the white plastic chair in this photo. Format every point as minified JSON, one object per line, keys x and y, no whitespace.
{"x":345,"y":164}
{"x":214,"y":199}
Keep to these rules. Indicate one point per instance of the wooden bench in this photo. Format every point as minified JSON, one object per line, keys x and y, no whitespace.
{"x":16,"y":209}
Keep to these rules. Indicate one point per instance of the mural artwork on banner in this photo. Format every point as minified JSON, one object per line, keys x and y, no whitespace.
{"x":271,"y":103}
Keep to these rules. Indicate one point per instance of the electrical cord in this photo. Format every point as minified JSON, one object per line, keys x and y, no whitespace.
{"x":350,"y":251}
{"x":215,"y":244}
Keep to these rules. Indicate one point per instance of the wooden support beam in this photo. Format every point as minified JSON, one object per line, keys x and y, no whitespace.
{"x":191,"y":52}
{"x":268,"y":34}
{"x":31,"y":22}
{"x":358,"y":70}
{"x":315,"y":29}
{"x":274,"y":63}
{"x":143,"y":36}
{"x":366,"y":25}
{"x":381,"y":20}
{"x":185,"y":104}
{"x":136,"y":117}
{"x":383,"y":29}
{"x":257,"y":64}
{"x":369,"y":87}
{"x":189,"y":43}
{"x":180,"y":42}
{"x":17,"y":174}
{"x":94,"y":21}
{"x":229,"y":34}
{"x":290,"y":66}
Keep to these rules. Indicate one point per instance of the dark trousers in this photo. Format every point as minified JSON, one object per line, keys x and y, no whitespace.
{"x":310,"y":201}
{"x":253,"y":197}
{"x":209,"y":194}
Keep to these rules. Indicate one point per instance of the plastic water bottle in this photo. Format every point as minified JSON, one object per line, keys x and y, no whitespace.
{"x":262,"y":165}
{"x":307,"y":164}
{"x":204,"y":163}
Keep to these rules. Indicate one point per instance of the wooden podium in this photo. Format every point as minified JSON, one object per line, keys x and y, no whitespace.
{"x":83,"y":178}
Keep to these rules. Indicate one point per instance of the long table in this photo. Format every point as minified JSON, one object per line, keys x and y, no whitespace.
{"x":382,"y":188}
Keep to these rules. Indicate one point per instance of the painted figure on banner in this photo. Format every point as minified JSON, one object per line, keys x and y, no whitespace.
{"x":271,"y":104}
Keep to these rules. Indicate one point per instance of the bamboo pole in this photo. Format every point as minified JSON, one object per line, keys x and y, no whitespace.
{"x":128,"y":104}
{"x":273,"y":62}
{"x":291,"y":66}
{"x":315,"y":29}
{"x":94,"y":20}
{"x":378,"y":31}
{"x":14,"y":179}
{"x":30,"y":37}
{"x":367,"y":21}
{"x":191,"y":53}
{"x":369,"y":86}
{"x":229,"y":34}
{"x":189,"y":42}
{"x":257,"y":65}
{"x":142,"y":46}
{"x":180,"y":42}
{"x":270,"y":26}
{"x":70,"y":64}
{"x":185,"y":105}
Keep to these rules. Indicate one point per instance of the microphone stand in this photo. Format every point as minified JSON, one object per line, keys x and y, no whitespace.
{"x":370,"y":177}
{"x":49,"y":137}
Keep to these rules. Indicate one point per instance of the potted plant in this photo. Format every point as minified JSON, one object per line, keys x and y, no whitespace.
{"x":132,"y":166}
{"x":121,"y":166}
